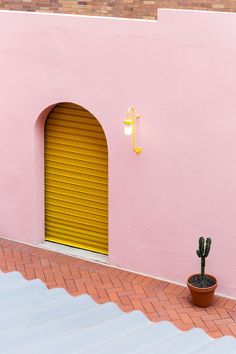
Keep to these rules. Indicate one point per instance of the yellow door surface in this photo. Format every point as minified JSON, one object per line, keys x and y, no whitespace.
{"x":76,"y":179}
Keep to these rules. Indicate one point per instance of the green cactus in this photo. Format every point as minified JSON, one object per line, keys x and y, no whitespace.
{"x":203,"y":251}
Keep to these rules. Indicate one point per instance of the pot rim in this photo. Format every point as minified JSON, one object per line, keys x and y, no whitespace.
{"x":210,"y":288}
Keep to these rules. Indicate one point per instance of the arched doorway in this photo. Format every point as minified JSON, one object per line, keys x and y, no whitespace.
{"x":76,"y":179}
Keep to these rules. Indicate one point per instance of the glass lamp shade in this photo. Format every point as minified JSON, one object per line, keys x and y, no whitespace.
{"x":128,"y":128}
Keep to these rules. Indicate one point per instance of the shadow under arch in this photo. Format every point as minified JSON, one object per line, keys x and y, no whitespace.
{"x":39,"y":169}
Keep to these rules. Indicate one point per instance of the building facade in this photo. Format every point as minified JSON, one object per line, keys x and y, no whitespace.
{"x":179,"y":73}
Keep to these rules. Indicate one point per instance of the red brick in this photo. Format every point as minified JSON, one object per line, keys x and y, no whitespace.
{"x":230,"y":304}
{"x":173,"y":315}
{"x":148,"y":306}
{"x":211,"y":326}
{"x":222,"y":312}
{"x":232,"y":327}
{"x":215,"y":334}
{"x":232,"y":315}
{"x":185,"y":318}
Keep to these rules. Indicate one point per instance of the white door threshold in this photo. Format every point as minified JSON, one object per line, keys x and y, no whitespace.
{"x":75,"y":252}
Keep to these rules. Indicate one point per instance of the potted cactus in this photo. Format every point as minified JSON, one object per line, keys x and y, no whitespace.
{"x":202,"y":286}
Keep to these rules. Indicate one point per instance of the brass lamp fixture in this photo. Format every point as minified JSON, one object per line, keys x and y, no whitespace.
{"x":129,"y":128}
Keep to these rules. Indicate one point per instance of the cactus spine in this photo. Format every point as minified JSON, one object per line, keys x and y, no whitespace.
{"x":203,"y":251}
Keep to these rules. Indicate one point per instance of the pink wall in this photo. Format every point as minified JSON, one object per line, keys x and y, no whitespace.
{"x":180,"y":74}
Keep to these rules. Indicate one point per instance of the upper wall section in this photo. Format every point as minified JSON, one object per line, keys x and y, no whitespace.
{"x":116,"y":8}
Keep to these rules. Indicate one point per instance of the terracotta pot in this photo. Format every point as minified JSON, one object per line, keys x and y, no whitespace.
{"x":202,"y":297}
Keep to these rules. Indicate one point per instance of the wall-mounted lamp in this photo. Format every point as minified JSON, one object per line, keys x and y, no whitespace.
{"x":129,"y":128}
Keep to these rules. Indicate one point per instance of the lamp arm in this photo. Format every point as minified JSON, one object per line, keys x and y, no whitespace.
{"x":137,"y":149}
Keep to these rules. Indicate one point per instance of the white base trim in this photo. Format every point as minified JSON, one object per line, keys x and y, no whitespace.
{"x":75,"y":252}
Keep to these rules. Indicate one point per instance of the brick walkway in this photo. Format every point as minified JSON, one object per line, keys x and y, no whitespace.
{"x":159,"y":300}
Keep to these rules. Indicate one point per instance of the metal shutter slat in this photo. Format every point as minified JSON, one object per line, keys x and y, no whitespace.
{"x":93,"y":205}
{"x":78,"y":144}
{"x":58,"y":133}
{"x":59,"y":218}
{"x":89,"y":175}
{"x":98,"y":202}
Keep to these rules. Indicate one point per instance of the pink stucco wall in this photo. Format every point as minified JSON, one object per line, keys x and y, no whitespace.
{"x":180,"y":74}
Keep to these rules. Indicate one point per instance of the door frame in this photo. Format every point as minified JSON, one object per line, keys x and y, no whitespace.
{"x":39,"y":177}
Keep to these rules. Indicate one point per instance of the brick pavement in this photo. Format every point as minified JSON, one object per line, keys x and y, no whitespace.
{"x":159,"y":300}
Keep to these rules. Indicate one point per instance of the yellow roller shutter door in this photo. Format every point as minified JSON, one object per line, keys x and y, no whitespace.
{"x":76,"y":179}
